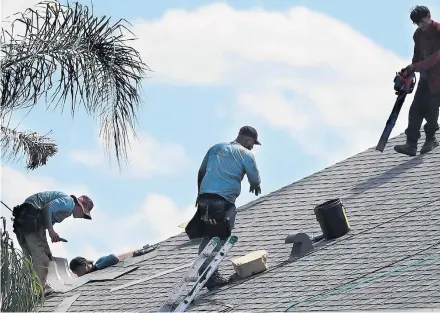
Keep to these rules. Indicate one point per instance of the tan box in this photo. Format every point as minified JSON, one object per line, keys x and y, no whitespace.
{"x":250,"y":264}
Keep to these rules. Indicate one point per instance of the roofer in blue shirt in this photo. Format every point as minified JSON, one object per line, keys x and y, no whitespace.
{"x":219,"y":184}
{"x":81,"y":266}
{"x":42,"y":211}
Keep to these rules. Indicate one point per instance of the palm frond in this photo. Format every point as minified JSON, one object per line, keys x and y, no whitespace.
{"x":15,"y":144}
{"x":67,"y":53}
{"x":21,"y":289}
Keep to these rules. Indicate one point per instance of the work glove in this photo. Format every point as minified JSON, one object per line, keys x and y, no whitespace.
{"x":256,"y":190}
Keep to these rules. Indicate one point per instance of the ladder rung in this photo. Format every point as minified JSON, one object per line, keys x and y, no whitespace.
{"x":192,"y":279}
{"x":207,"y":254}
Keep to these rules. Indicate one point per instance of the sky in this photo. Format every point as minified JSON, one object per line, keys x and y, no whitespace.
{"x":315,"y":78}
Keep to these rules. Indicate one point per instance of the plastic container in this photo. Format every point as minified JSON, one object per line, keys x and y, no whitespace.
{"x":250,"y":264}
{"x":332,"y":219}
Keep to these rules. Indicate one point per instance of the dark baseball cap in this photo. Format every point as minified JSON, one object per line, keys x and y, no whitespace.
{"x":250,"y":132}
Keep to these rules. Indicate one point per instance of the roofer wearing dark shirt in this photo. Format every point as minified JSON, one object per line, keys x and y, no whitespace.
{"x":40,"y":212}
{"x":219,"y":184}
{"x":426,"y":103}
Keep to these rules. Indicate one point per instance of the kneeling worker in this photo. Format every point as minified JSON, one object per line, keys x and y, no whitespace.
{"x":219,"y":185}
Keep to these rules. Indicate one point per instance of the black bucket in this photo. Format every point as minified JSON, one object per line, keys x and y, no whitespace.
{"x":332,"y":219}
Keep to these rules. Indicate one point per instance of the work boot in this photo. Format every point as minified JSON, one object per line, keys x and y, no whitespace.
{"x":408,"y":148}
{"x":48,"y":290}
{"x":430,"y":143}
{"x":216,"y":280}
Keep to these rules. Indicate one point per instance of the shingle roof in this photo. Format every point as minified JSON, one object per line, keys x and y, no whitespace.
{"x":392,"y":203}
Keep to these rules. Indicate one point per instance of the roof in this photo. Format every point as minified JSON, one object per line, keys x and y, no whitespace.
{"x":392,"y":203}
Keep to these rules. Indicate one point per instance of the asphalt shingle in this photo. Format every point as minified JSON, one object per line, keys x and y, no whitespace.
{"x":392,"y":203}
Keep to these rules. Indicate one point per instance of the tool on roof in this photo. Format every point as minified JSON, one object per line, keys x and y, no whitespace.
{"x":175,"y":302}
{"x":145,"y":249}
{"x":403,"y":85}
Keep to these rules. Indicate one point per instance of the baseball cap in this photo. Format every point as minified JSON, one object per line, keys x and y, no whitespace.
{"x":250,"y":132}
{"x":86,"y":204}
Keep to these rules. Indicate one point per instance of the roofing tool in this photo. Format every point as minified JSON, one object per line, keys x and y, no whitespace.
{"x":145,"y":249}
{"x":6,"y":206}
{"x":175,"y":302}
{"x":403,"y":85}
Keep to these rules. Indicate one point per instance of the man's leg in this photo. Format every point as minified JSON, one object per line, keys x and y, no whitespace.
{"x":39,"y":249}
{"x":217,"y":280}
{"x":21,"y":238}
{"x":431,"y":126}
{"x":202,"y":245}
{"x":415,"y":119}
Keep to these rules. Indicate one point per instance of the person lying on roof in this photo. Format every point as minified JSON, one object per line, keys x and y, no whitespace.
{"x":81,"y":266}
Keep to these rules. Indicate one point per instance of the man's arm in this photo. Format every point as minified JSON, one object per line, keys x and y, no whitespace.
{"x":106,"y":261}
{"x":202,"y":170}
{"x":59,"y":207}
{"x":416,"y":54}
{"x":429,"y":62}
{"x":251,"y":169}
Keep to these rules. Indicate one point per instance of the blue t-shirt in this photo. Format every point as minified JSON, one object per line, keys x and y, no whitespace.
{"x":55,"y":205}
{"x":225,"y":165}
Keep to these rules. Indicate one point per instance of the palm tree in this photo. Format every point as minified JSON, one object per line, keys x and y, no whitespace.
{"x":63,"y":52}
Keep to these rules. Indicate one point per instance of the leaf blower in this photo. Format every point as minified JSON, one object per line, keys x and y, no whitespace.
{"x":403,"y":85}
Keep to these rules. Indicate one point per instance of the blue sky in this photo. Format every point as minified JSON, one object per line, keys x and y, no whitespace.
{"x":208,"y":82}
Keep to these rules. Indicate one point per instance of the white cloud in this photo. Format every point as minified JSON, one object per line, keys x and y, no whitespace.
{"x":10,"y":7}
{"x":156,"y":219}
{"x":146,"y":157}
{"x":162,"y":217}
{"x":10,"y":10}
{"x":340,"y":81}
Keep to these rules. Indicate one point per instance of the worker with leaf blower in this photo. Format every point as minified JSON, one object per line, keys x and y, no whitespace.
{"x":426,"y":102}
{"x":219,"y":184}
{"x":40,"y":212}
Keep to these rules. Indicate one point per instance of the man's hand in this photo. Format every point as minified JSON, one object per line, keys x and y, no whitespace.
{"x":256,"y":190}
{"x":54,"y":235}
{"x":407,"y":70}
{"x":49,"y":255}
